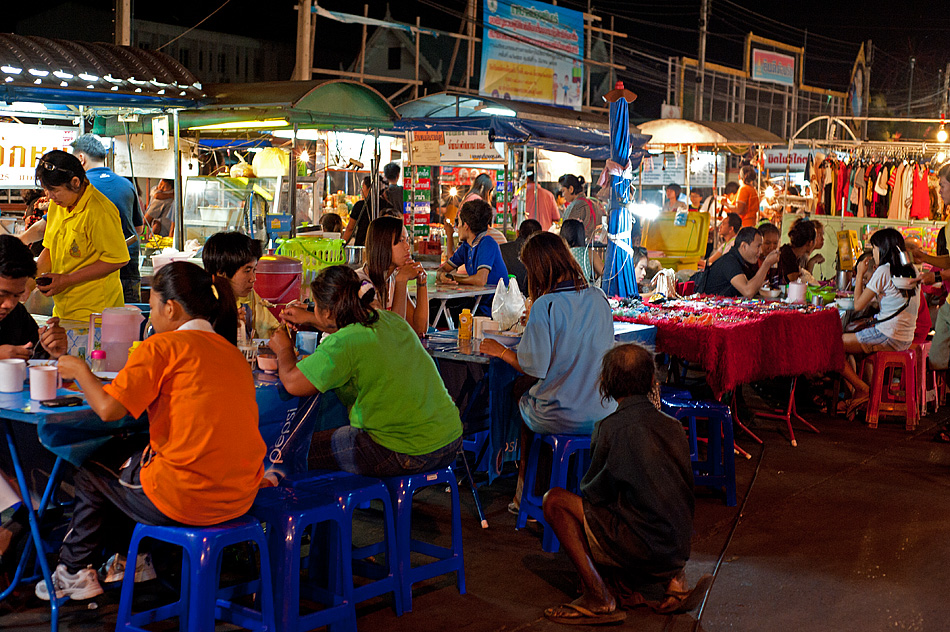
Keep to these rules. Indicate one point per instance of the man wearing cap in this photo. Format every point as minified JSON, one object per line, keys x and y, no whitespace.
{"x":92,"y":154}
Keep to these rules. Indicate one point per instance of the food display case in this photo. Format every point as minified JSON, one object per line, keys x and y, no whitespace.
{"x":214,"y":204}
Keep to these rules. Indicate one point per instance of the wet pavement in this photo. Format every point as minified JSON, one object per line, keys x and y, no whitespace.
{"x":845,"y":532}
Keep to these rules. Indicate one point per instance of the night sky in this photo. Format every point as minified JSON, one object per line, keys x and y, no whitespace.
{"x":830,"y":31}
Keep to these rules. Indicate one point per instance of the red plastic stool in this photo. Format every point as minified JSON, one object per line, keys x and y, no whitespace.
{"x":880,"y":397}
{"x":926,"y":378}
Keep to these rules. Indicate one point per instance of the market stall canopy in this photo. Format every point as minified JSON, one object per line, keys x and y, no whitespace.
{"x":706,"y":133}
{"x":334,"y":104}
{"x":455,"y":104}
{"x":555,"y":129}
{"x":43,"y":70}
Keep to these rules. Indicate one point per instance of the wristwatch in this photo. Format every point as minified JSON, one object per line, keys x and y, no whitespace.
{"x":937,"y":277}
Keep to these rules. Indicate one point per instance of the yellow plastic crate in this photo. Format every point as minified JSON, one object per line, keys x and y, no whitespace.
{"x":682,"y":246}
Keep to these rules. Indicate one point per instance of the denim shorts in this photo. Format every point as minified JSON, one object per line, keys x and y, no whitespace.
{"x":872,"y":340}
{"x":355,"y":451}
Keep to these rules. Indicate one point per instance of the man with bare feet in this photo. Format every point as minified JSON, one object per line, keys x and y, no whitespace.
{"x":628,"y":533}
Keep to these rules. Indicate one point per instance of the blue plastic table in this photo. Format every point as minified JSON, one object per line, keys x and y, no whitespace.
{"x":503,"y":429}
{"x":74,"y":433}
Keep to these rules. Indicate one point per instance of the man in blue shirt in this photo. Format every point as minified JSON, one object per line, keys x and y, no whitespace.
{"x":478,"y":252}
{"x":92,"y":154}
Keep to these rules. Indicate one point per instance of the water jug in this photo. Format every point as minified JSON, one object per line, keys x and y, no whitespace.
{"x":121,"y":326}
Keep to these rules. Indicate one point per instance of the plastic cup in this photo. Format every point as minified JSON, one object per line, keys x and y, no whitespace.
{"x":44,"y":380}
{"x":306,"y":342}
{"x":12,"y":374}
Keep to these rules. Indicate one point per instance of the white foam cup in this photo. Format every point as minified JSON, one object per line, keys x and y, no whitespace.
{"x":12,"y":374}
{"x":43,"y":382}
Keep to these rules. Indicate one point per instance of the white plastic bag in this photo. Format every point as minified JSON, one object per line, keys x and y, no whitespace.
{"x":508,"y":304}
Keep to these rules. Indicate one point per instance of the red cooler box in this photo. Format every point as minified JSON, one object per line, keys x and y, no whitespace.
{"x":278,"y":280}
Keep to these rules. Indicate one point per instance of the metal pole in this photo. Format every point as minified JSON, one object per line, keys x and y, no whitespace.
{"x":179,"y":239}
{"x":363,"y":49}
{"x":504,"y":193}
{"x":910,"y":83}
{"x":415,"y":88}
{"x":701,"y":71}
{"x":292,"y":186}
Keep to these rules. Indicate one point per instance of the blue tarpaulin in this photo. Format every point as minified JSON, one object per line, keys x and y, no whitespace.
{"x":585,"y":143}
{"x":623,"y":227}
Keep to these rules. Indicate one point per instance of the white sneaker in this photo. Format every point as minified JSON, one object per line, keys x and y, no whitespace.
{"x":114,"y":569}
{"x":81,"y":585}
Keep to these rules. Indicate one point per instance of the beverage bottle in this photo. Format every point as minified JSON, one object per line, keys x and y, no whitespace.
{"x":465,"y":325}
{"x":97,"y":361}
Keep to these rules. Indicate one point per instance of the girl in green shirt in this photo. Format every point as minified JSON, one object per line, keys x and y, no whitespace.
{"x":402,"y":420}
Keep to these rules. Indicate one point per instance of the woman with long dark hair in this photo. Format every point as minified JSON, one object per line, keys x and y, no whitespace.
{"x":894,"y":284}
{"x":205,"y":456}
{"x":83,"y":246}
{"x":568,"y":331}
{"x":402,"y":420}
{"x":389,"y":267}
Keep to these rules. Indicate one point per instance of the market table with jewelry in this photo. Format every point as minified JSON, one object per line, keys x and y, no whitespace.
{"x":738,"y":341}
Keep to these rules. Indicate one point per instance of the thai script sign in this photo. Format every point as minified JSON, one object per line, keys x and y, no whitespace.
{"x":21,"y":147}
{"x":773,"y":67}
{"x":532,"y":51}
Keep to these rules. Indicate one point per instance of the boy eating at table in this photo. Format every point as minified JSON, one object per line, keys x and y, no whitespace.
{"x":478,"y":252}
{"x":234,"y":256}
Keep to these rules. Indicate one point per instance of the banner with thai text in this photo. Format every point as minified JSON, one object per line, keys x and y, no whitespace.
{"x":434,"y":148}
{"x":532,"y":51}
{"x":21,"y":146}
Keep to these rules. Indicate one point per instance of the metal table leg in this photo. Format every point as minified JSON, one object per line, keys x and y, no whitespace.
{"x":34,"y":525}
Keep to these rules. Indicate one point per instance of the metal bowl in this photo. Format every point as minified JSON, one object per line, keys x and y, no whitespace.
{"x":355,"y":255}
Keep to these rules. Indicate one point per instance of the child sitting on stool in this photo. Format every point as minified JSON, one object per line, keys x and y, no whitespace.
{"x":631,"y":526}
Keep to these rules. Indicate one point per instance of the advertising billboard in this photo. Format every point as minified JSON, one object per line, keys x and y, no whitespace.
{"x":773,"y":67}
{"x":21,"y":147}
{"x":532,"y":51}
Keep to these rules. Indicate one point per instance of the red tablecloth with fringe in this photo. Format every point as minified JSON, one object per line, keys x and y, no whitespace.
{"x":778,"y":344}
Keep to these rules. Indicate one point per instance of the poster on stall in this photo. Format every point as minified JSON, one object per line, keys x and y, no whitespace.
{"x":532,"y":51}
{"x":663,"y":169}
{"x":21,"y":146}
{"x":434,"y":148}
{"x":145,"y":161}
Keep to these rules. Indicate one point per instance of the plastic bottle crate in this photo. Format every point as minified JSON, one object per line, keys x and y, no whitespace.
{"x":314,"y":254}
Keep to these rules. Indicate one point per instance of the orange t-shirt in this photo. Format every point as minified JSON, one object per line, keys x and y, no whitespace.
{"x":207,"y":452}
{"x":750,"y":196}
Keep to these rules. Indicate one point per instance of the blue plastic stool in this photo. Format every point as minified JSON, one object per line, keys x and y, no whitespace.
{"x":352,"y":491}
{"x":448,"y":559}
{"x":477,"y":442}
{"x":718,"y":469}
{"x":288,"y":513}
{"x":202,"y":600}
{"x":564,"y":447}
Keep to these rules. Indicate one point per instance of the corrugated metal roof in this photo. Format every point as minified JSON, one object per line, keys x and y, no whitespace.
{"x":443,"y":104}
{"x":38,"y":68}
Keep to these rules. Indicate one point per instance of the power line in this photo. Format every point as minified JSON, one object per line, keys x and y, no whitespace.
{"x":202,"y":21}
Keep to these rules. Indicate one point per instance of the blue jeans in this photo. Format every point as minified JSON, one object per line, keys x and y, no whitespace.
{"x":353,"y":450}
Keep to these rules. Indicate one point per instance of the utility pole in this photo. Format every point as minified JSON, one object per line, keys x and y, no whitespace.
{"x":946,"y":91}
{"x":303,"y":70}
{"x":910,"y":83}
{"x":701,"y":70}
{"x":123,"y":22}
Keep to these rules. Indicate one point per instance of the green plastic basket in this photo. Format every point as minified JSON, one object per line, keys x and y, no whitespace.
{"x":314,"y":254}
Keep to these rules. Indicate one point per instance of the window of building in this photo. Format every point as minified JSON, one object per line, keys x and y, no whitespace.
{"x":201,"y":60}
{"x":395,"y":58}
{"x":183,"y":57}
{"x":144,"y":45}
{"x":222,"y":63}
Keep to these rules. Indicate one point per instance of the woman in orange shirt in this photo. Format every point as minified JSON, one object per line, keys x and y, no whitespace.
{"x":747,"y":199}
{"x":205,"y":456}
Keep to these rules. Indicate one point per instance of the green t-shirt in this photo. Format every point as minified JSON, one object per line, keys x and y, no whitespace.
{"x":389,"y":383}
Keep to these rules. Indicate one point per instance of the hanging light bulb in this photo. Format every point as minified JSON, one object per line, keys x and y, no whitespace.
{"x":942,"y":134}
{"x":304,"y":156}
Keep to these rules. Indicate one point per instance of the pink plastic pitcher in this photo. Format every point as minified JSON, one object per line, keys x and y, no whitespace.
{"x":120,"y":328}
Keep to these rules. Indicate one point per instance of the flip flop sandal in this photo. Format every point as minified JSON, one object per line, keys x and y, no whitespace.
{"x":579,"y":615}
{"x":684,"y":601}
{"x":942,"y":437}
{"x":855,"y":405}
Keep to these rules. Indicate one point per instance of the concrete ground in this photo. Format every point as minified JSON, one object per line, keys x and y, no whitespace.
{"x":845,"y":532}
